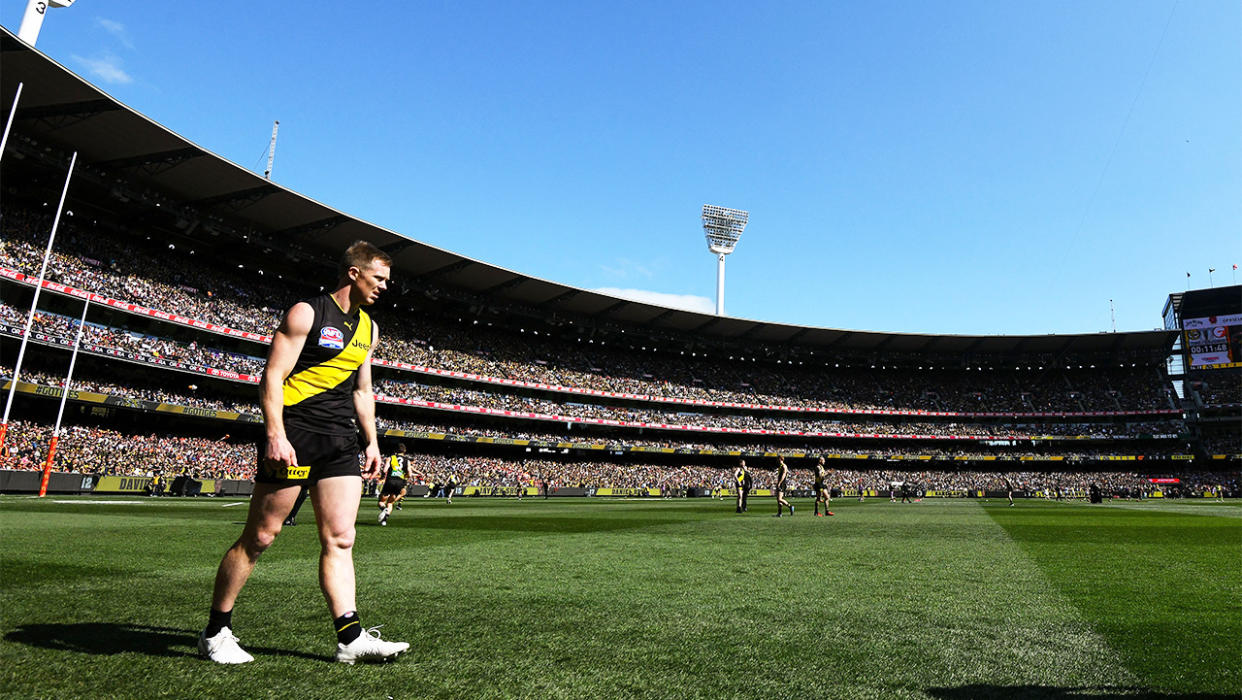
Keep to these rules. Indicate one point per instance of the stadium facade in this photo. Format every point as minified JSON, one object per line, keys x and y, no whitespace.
{"x":187,"y":260}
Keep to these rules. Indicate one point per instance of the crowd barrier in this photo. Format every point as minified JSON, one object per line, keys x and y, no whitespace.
{"x":27,"y":481}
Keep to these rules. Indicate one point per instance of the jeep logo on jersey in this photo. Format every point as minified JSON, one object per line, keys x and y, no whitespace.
{"x":332,"y":338}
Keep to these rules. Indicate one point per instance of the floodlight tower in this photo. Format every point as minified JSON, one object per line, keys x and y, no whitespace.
{"x":723,"y":227}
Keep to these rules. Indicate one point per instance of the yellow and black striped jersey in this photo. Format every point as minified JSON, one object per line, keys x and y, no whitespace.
{"x":319,"y":391}
{"x":399,"y":467}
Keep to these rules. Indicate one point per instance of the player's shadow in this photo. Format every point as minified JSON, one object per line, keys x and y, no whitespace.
{"x":108,"y":638}
{"x":984,"y":691}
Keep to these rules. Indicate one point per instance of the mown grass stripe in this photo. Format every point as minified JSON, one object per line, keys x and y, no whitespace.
{"x":1163,"y":587}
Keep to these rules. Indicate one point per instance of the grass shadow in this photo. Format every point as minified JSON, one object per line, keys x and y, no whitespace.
{"x":108,"y":638}
{"x":983,"y":691}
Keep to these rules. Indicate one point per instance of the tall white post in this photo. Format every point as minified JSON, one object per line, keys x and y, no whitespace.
{"x":50,"y":458}
{"x":73,"y":360}
{"x":34,"y":305}
{"x":271,"y":152}
{"x":32,"y":20}
{"x":4,"y":140}
{"x":720,"y":284}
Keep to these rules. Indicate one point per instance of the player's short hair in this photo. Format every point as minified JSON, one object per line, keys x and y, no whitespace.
{"x":401,"y":447}
{"x":361,"y":254}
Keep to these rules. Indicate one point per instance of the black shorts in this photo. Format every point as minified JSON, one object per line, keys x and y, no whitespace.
{"x":319,"y":457}
{"x":392,"y":487}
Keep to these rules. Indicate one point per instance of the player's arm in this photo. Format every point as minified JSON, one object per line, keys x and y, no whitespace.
{"x":364,"y":406}
{"x":281,"y":358}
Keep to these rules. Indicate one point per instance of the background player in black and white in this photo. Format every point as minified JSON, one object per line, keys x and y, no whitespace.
{"x":782,"y":485}
{"x":822,"y":494}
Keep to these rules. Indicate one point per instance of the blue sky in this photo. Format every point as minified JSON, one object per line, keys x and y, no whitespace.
{"x":964,"y":167}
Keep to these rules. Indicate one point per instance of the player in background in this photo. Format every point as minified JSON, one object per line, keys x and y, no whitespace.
{"x":316,"y":382}
{"x":782,"y":484}
{"x":1009,"y":491}
{"x":748,"y":484}
{"x":399,"y":470}
{"x":821,"y":490}
{"x":297,"y":505}
{"x":739,"y":478}
{"x":449,"y":487}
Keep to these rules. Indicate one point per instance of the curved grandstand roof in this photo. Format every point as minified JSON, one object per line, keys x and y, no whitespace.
{"x":59,"y":108}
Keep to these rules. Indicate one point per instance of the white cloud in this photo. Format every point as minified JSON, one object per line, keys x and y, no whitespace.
{"x":117,"y":30}
{"x":106,"y":67}
{"x":625,"y":267}
{"x":687,"y":302}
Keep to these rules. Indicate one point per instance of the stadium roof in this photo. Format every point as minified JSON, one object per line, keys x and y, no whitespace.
{"x":59,"y":108}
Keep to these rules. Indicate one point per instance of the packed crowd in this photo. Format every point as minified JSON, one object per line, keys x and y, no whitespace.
{"x":153,"y":391}
{"x":529,"y":404}
{"x":175,"y":282}
{"x":1221,"y":389}
{"x":173,"y":353}
{"x":178,"y":284}
{"x":141,"y":391}
{"x":95,"y":450}
{"x":976,"y":451}
{"x":137,"y":346}
{"x":88,"y":449}
{"x":495,"y":471}
{"x":1222,"y":443}
{"x":546,"y":360}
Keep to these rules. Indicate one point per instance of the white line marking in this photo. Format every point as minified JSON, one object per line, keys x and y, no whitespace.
{"x":230,"y":505}
{"x":106,"y":503}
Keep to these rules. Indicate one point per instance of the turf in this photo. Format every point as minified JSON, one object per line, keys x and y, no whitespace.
{"x":596,"y":598}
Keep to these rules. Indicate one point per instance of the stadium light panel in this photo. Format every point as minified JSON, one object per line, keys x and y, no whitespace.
{"x":723,"y":228}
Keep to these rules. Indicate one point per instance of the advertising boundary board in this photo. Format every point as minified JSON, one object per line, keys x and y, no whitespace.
{"x":25,"y":481}
{"x":20,"y":481}
{"x":64,"y":483}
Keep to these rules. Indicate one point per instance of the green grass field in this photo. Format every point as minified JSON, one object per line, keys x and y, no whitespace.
{"x":596,"y":598}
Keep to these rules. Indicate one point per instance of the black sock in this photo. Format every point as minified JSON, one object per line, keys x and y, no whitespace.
{"x":347,"y":627}
{"x":217,"y":621}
